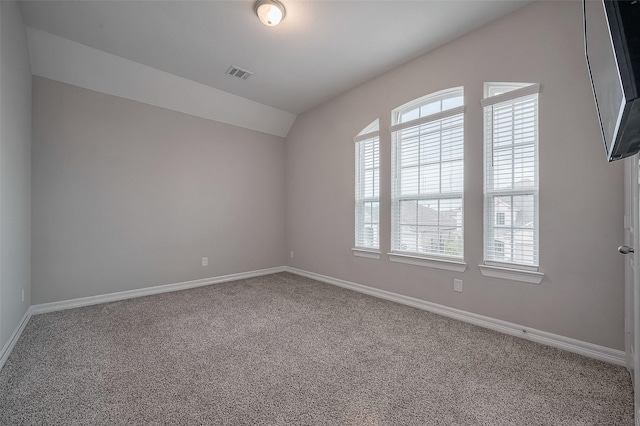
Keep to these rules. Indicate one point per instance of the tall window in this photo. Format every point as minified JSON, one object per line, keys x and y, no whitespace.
{"x":427,"y":174}
{"x":511,"y":174}
{"x":367,"y":145}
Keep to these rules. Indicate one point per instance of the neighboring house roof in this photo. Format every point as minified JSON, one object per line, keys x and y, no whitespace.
{"x":427,"y":216}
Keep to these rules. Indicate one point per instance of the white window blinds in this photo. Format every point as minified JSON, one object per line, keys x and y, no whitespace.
{"x":428,"y":176}
{"x":367,"y":186}
{"x":511,"y":174}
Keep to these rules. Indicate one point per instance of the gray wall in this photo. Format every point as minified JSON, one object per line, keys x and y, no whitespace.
{"x":127,"y":195}
{"x":581,"y":195}
{"x":15,"y":170}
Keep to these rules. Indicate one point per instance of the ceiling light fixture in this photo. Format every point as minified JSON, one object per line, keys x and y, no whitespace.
{"x":270,"y":12}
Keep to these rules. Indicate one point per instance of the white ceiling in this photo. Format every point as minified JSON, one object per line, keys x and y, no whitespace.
{"x":320,"y":49}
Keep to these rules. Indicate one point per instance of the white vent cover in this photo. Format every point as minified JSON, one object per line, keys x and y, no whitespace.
{"x":239,"y":72}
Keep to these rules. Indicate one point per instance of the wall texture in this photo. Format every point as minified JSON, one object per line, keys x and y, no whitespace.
{"x":15,"y":170}
{"x":127,"y":195}
{"x":581,"y":195}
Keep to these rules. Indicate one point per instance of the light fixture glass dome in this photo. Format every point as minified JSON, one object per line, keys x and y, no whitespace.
{"x":270,"y":12}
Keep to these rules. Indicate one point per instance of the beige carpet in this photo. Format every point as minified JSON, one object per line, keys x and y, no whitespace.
{"x":286,"y":350}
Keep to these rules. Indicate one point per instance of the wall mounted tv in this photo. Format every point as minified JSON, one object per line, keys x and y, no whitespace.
{"x":612,"y":47}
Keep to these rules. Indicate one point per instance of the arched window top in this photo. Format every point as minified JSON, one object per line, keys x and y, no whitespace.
{"x":371,"y":131}
{"x":374,"y":126}
{"x":428,"y":105}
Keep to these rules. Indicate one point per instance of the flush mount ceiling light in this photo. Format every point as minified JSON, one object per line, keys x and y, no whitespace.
{"x":270,"y":12}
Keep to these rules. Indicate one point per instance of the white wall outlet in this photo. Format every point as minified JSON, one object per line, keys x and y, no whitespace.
{"x":457,"y":285}
{"x":23,"y":294}
{"x":205,"y":261}
{"x":291,"y":254}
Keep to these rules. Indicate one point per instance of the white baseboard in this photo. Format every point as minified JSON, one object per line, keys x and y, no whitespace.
{"x":8,"y":347}
{"x":122,"y":295}
{"x":590,"y":350}
{"x":147,"y":291}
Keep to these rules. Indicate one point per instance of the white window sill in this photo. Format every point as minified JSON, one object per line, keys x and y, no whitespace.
{"x":449,"y":265}
{"x":369,"y":254}
{"x":523,"y":275}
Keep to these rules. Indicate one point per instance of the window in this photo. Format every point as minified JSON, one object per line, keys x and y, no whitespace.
{"x":427,"y":176}
{"x":367,"y":186}
{"x":511,"y":174}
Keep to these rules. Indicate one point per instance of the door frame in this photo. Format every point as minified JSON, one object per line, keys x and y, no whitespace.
{"x":632,"y":276}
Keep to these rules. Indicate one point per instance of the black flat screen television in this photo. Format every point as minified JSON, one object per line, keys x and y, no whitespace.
{"x":612,"y":48}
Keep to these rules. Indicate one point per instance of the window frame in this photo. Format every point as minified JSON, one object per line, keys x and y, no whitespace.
{"x":430,"y":259}
{"x":370,"y":134}
{"x":501,"y":94}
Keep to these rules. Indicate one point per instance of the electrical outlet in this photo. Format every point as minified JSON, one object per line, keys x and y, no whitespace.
{"x":205,"y":261}
{"x":291,"y":254}
{"x":23,"y":294}
{"x":457,"y":285}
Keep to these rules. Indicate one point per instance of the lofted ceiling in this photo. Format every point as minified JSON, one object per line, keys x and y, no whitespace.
{"x":321,"y":48}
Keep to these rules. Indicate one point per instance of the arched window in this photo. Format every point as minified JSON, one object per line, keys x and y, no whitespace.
{"x":428,"y":178}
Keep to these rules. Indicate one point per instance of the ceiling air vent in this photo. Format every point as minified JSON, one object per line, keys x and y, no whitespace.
{"x":239,"y":72}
